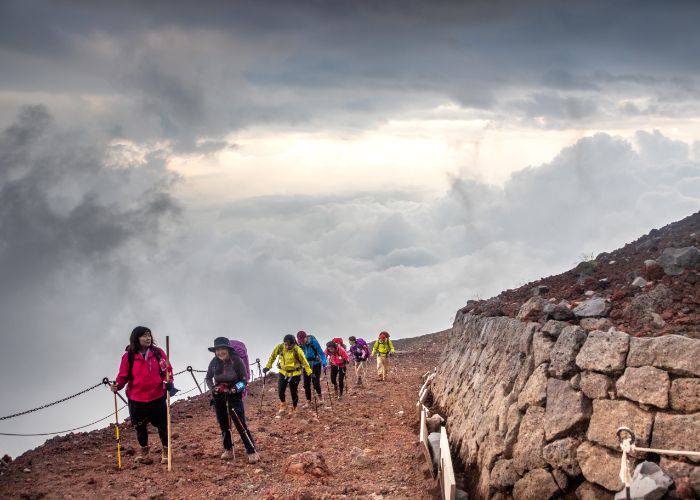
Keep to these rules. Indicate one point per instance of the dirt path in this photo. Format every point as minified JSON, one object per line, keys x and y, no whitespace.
{"x":368,"y":441}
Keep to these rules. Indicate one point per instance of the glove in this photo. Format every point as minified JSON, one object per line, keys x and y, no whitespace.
{"x":240,"y":387}
{"x":221,"y":389}
{"x":170,"y":387}
{"x":266,"y":369}
{"x":114,"y":387}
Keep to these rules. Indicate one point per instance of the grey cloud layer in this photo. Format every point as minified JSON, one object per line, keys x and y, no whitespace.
{"x":94,"y":242}
{"x":202,"y":71}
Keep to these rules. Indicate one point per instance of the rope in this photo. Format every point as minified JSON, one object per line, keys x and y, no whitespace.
{"x":54,"y":403}
{"x":627,"y":446}
{"x":61,"y":432}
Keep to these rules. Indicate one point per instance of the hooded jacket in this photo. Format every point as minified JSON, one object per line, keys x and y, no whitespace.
{"x":383,"y":347}
{"x":339,"y":357}
{"x":290,"y":362}
{"x":313,"y":352}
{"x":146,"y":382}
{"x":229,"y":372}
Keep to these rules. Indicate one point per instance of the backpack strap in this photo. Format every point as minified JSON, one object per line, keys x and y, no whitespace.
{"x":132,"y":356}
{"x":313,"y":346}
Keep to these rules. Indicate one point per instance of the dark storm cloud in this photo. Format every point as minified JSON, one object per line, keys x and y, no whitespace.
{"x":202,"y":70}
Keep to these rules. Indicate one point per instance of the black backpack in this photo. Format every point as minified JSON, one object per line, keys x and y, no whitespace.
{"x":132,"y":354}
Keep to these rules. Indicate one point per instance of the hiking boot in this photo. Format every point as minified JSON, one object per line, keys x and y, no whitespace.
{"x":227,"y":455}
{"x":164,"y":455}
{"x":293,"y":412}
{"x":282,"y":409}
{"x":253,"y":458}
{"x":142,"y":456}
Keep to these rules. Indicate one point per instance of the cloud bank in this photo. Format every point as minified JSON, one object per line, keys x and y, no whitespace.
{"x":95,"y":242}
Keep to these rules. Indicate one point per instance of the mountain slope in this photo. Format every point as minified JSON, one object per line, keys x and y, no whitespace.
{"x":368,"y":445}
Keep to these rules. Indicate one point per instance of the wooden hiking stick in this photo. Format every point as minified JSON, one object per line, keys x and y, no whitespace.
{"x":116,"y":430}
{"x":167,"y":397}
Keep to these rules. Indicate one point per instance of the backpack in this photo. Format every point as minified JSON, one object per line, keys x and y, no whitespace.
{"x":132,"y":355}
{"x":240,"y":349}
{"x":363,"y":345}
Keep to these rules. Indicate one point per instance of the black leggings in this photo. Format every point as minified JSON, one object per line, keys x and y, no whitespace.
{"x":154,"y":412}
{"x":338,"y":377}
{"x":293,"y":383}
{"x":316,"y":370}
{"x":235,"y":406}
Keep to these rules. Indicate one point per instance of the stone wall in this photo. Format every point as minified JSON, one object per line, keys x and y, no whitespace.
{"x":532,"y":410}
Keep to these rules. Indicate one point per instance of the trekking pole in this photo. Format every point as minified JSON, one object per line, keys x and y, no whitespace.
{"x":106,"y":382}
{"x":328,"y":389}
{"x":167,"y":397}
{"x":189,"y":369}
{"x":313,"y":391}
{"x":262,"y":393}
{"x":230,"y":425}
{"x":246,"y":432}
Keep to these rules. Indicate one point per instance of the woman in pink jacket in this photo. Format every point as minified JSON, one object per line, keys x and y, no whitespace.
{"x":338,"y":359}
{"x":142,"y":371}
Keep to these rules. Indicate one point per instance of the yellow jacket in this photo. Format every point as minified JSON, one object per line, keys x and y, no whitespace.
{"x":383,"y":347}
{"x":291,"y":361}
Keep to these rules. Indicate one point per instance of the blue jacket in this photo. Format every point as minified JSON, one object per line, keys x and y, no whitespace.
{"x":313,"y":352}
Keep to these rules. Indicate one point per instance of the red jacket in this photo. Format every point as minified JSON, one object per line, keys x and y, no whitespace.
{"x":340,"y":358}
{"x":146,"y":383}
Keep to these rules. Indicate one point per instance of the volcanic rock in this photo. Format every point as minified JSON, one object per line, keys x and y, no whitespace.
{"x":675,"y":260}
{"x":685,"y":394}
{"x":604,"y":351}
{"x":646,"y":385}
{"x":567,"y":409}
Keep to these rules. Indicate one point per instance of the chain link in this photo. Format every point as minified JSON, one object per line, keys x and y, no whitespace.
{"x":54,"y":403}
{"x":61,"y":432}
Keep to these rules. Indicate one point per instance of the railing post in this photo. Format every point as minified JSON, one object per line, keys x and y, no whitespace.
{"x":189,"y":369}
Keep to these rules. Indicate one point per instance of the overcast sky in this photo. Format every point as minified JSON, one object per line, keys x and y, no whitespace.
{"x":250,"y":169}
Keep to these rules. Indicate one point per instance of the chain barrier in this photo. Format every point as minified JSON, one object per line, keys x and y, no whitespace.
{"x":104,"y":381}
{"x":111,"y":414}
{"x":51,"y":404}
{"x":47,"y":405}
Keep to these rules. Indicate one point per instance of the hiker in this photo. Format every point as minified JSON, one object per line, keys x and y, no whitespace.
{"x":317,"y":360}
{"x":338,"y":359}
{"x":143,"y":372}
{"x":360,"y":353}
{"x":383,"y":348}
{"x":290,"y":364}
{"x":227,"y":379}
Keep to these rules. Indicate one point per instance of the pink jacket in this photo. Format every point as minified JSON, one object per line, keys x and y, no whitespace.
{"x":146,"y":383}
{"x":340,"y":358}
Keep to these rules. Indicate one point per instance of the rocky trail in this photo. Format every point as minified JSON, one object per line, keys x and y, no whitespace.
{"x":367,"y":440}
